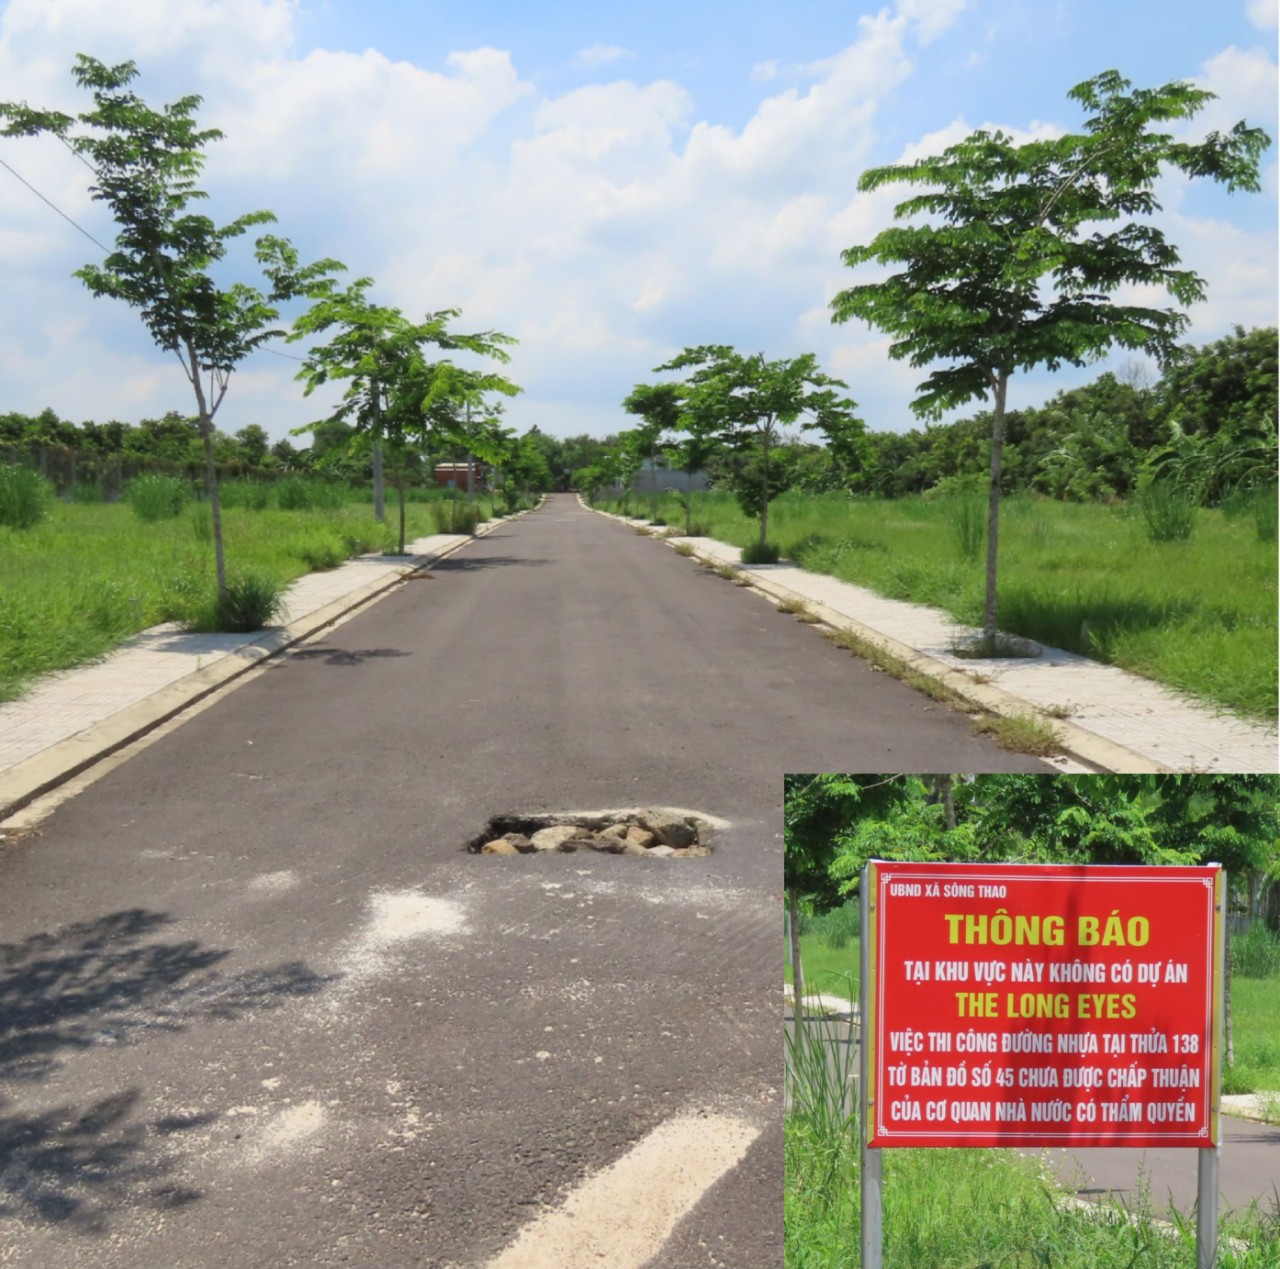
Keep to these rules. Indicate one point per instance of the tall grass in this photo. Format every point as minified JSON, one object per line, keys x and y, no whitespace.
{"x":1169,"y":513}
{"x":966,"y":515}
{"x":25,"y":497}
{"x":1255,"y":953}
{"x":835,"y":929}
{"x":154,"y":497}
{"x":965,"y":1209}
{"x":89,"y":575}
{"x":1255,"y":1028}
{"x":1198,"y":615}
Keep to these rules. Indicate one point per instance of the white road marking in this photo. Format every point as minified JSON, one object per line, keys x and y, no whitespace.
{"x":622,"y":1215}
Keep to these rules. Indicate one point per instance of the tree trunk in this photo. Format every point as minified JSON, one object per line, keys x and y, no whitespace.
{"x":400,"y":496}
{"x":797,"y":973}
{"x":993,"y":511}
{"x":688,"y":502}
{"x":764,"y":487}
{"x":379,"y":506}
{"x":210,"y":475}
{"x":949,"y":801}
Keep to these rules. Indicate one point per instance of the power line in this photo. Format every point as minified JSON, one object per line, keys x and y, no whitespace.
{"x":60,"y":212}
{"x":274,"y":352}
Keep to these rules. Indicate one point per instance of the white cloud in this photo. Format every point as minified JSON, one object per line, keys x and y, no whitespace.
{"x":215,"y":33}
{"x":1246,"y":85}
{"x":601,"y":54}
{"x":1263,"y":13}
{"x":932,"y":17}
{"x":605,"y":226}
{"x":359,"y":116}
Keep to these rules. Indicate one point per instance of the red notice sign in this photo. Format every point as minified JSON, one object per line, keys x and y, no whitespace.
{"x":1015,"y":1004}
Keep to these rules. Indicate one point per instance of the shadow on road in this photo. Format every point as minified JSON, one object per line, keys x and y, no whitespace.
{"x":472,"y":564}
{"x":99,"y":982}
{"x":74,"y":1167}
{"x":341,"y":656}
{"x":104,"y":982}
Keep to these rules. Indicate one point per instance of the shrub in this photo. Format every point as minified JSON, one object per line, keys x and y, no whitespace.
{"x":297,"y":494}
{"x":1266,"y":514}
{"x":321,"y":552}
{"x":354,"y":544}
{"x":180,"y":598}
{"x":1255,"y":953}
{"x":836,"y":928}
{"x":452,"y":515}
{"x":156,"y":497}
{"x":253,"y":600}
{"x":761,"y":553}
{"x":1169,"y":514}
{"x":25,"y":497}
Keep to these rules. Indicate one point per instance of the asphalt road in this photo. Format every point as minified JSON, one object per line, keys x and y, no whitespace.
{"x":258,"y":1006}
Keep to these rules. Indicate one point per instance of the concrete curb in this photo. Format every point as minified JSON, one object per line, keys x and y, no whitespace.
{"x":1075,"y":742}
{"x":22,"y":783}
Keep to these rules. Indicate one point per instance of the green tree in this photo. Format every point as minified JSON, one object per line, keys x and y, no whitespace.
{"x":254,"y":442}
{"x":821,"y":813}
{"x":1025,"y":245}
{"x":1218,"y":407}
{"x":658,"y":405}
{"x":748,"y":400}
{"x":622,"y":460}
{"x":145,"y":165}
{"x":526,"y":468}
{"x":394,"y":396}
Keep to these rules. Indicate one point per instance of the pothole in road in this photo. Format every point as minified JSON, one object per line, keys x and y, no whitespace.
{"x":658,"y":833}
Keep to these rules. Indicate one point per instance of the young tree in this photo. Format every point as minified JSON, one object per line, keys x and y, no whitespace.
{"x":669,"y":408}
{"x":145,"y":164}
{"x":1025,"y":246}
{"x":658,"y":405}
{"x":395,"y":396}
{"x":622,"y":461}
{"x":750,"y":399}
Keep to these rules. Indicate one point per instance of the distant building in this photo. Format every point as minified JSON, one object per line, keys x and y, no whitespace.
{"x":454,"y":476}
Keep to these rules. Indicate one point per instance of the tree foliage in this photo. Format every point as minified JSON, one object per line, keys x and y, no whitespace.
{"x":746,"y":400}
{"x":1022,"y":248}
{"x":145,"y":164}
{"x":394,"y":395}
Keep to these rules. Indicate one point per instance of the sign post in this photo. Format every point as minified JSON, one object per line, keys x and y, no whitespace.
{"x":1041,"y":1005}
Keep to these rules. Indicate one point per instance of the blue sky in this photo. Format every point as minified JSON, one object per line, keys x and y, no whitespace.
{"x":606,"y":182}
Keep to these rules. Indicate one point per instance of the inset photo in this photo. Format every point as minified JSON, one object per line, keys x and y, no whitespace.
{"x":1031,"y":1020}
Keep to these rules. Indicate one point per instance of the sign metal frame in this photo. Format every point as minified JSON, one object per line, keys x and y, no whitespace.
{"x":872,"y":1042}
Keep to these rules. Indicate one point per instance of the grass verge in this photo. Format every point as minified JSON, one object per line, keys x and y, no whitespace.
{"x":1198,"y":614}
{"x":974,"y":1209}
{"x":90,"y":575}
{"x":1019,"y":733}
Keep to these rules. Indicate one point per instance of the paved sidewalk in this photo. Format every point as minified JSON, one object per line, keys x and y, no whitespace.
{"x":69,"y":720}
{"x":1105,"y":717}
